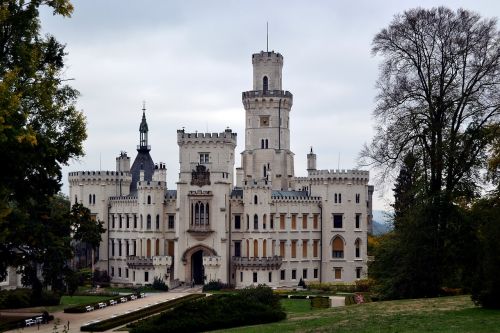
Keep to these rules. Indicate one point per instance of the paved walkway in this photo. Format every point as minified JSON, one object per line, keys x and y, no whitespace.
{"x":76,"y":320}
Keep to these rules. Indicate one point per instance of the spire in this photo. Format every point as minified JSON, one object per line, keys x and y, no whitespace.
{"x":143,"y":131}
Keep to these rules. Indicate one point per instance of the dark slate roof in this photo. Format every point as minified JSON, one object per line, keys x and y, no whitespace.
{"x":289,"y":194}
{"x":143,"y":161}
{"x":170,"y":194}
{"x":237,"y":192}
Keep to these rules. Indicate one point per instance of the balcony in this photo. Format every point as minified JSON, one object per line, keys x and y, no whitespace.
{"x":200,"y":231}
{"x":258,"y":262}
{"x":139,"y":262}
{"x":267,"y":93}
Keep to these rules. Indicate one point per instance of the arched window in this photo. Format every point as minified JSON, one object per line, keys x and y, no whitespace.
{"x":148,"y":222}
{"x":261,"y":143}
{"x":142,"y":225}
{"x":93,"y":199}
{"x":128,"y":221}
{"x":197,"y":213}
{"x":265,"y":171}
{"x":264,"y":221}
{"x":120,"y":221}
{"x":135,"y":221}
{"x":148,"y":247}
{"x":255,"y":248}
{"x":207,"y":221}
{"x":357,"y":246}
{"x":337,"y":248}
{"x":157,"y":222}
{"x":157,"y":247}
{"x":255,"y":199}
{"x":335,"y":197}
{"x":248,"y":222}
{"x":255,"y":222}
{"x":90,"y":199}
{"x":265,"y":84}
{"x":264,"y":249}
{"x":149,"y":200}
{"x":266,"y":143}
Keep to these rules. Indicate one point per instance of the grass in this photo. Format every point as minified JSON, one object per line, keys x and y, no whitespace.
{"x":66,"y":302}
{"x":455,"y":314}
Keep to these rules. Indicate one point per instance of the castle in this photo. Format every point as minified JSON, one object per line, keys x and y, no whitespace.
{"x":268,"y":226}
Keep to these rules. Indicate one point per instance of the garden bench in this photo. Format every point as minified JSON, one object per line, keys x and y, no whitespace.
{"x":112,"y":302}
{"x":29,"y":322}
{"x":89,"y":308}
{"x":123,"y":299}
{"x":143,"y":295}
{"x":39,"y":320}
{"x":102,"y":305}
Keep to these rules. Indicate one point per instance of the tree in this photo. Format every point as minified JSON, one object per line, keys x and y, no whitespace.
{"x":40,"y":130}
{"x":439,"y":100}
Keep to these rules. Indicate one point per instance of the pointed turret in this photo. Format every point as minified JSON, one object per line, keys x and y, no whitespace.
{"x":143,"y":132}
{"x":143,"y":161}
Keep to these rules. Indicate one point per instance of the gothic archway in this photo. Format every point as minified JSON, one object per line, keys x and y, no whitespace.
{"x":193,"y":262}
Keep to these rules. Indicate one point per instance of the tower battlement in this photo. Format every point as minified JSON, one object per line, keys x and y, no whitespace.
{"x":189,"y":138}
{"x":264,"y":56}
{"x":79,"y":177}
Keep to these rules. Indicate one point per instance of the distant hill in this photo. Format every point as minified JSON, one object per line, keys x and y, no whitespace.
{"x":381,"y":222}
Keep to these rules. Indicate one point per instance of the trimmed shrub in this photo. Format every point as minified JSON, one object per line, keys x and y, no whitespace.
{"x":145,"y":312}
{"x":249,"y":306}
{"x":333,"y":287}
{"x":320,"y":302}
{"x":216,"y":285}
{"x":23,"y":298}
{"x":159,"y":284}
{"x":364,"y":285}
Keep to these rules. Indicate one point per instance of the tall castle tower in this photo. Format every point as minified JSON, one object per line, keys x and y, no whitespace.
{"x":267,"y":152}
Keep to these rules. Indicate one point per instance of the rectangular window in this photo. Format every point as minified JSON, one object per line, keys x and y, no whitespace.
{"x":120,"y":219}
{"x":237,"y":249}
{"x":127,"y":250}
{"x":270,"y":276}
{"x":294,"y":274}
{"x":337,"y":221}
{"x":128,"y":225}
{"x":135,"y":221}
{"x":304,"y":273}
{"x":357,"y":197}
{"x":304,"y":221}
{"x":119,"y":248}
{"x":358,"y":272}
{"x":273,"y":248}
{"x":171,"y":245}
{"x":241,"y":276}
{"x":315,"y":221}
{"x":126,"y":273}
{"x":337,"y":273}
{"x":171,"y":221}
{"x":357,"y":222}
{"x":133,"y":275}
{"x":254,"y":277}
{"x":282,"y":221}
{"x":271,"y":222}
{"x":282,"y":248}
{"x":119,"y":272}
{"x":204,"y":158}
{"x":294,"y":249}
{"x":112,"y":248}
{"x":315,"y":248}
{"x":294,"y":221}
{"x":282,"y":274}
{"x":112,"y":221}
{"x":237,"y":222}
{"x":315,"y":273}
{"x":112,"y":271}
{"x":146,"y":276}
{"x":304,"y":248}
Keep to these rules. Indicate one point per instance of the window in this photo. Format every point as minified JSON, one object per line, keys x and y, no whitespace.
{"x":135,"y":221}
{"x":237,"y":249}
{"x":135,"y":248}
{"x":148,"y":248}
{"x":264,"y":220}
{"x":255,"y":199}
{"x":133,"y":275}
{"x":90,"y":199}
{"x":93,"y":199}
{"x":265,"y":84}
{"x":157,"y":222}
{"x":149,"y":200}
{"x":255,"y":248}
{"x":128,"y":221}
{"x":76,"y":199}
{"x":304,"y":273}
{"x":294,"y":274}
{"x":112,"y":271}
{"x":273,"y":248}
{"x":146,"y":276}
{"x":304,"y":248}
{"x":113,"y":221}
{"x":148,"y":222}
{"x":200,"y":213}
{"x":157,"y":247}
{"x":282,"y":274}
{"x":255,"y":277}
{"x":337,"y":248}
{"x":255,"y":222}
{"x":119,"y":272}
{"x":127,"y":249}
{"x":357,"y":246}
{"x":358,"y":272}
{"x":282,"y":221}
{"x":119,"y":247}
{"x":248,"y":222}
{"x":248,"y":248}
{"x":271,"y":221}
{"x":171,"y":221}
{"x":264,"y":248}
{"x":112,"y":248}
{"x":294,"y":221}
{"x":237,"y":222}
{"x":337,"y":273}
{"x":270,"y":277}
{"x":357,"y":197}
{"x":120,"y":221}
{"x":241,"y":276}
{"x":264,"y":121}
{"x":204,"y":158}
{"x":126,"y":273}
{"x":357,"y":222}
{"x":315,"y":248}
{"x":142,"y":225}
{"x":340,"y":197}
{"x":304,"y":221}
{"x":294,"y":249}
{"x":282,"y":248}
{"x":337,"y":221}
{"x":170,"y":248}
{"x":315,"y":273}
{"x":315,"y":221}
{"x":336,"y":198}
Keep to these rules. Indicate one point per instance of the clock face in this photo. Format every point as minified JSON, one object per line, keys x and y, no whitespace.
{"x":264,"y":121}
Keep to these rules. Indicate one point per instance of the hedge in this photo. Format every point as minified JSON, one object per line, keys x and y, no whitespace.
{"x":139,"y":314}
{"x":249,"y":306}
{"x":19,"y":322}
{"x":320,"y":302}
{"x":23,"y":298}
{"x":82,"y":307}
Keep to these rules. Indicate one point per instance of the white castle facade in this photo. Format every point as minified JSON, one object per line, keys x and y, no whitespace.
{"x":268,"y":226}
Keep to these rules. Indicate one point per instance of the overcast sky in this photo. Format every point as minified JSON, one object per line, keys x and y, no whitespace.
{"x":190,"y":61}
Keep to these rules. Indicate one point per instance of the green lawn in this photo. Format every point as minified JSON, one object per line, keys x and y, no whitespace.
{"x":447,"y":314}
{"x":68,"y":301}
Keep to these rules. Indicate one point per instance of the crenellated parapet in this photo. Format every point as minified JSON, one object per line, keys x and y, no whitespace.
{"x":258,"y":99}
{"x":358,"y":177}
{"x":97,"y":177}
{"x":257,"y":184}
{"x":226,"y":137}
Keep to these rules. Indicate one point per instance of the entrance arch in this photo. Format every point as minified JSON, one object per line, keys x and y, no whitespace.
{"x":193,"y":263}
